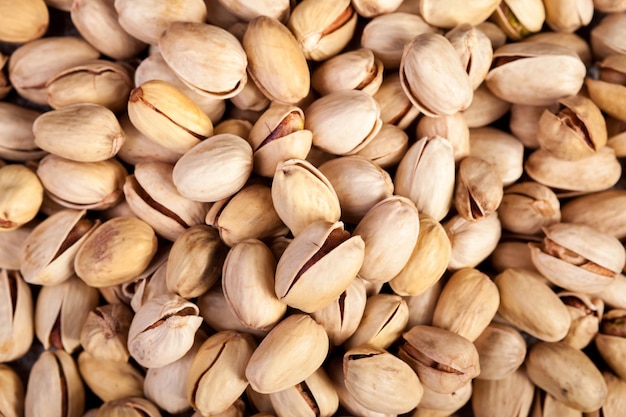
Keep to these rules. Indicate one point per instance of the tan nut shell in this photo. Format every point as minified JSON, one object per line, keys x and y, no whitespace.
{"x":21,"y":198}
{"x":501,"y":351}
{"x":24,"y":21}
{"x":16,"y":312}
{"x":99,"y":373}
{"x":451,"y":13}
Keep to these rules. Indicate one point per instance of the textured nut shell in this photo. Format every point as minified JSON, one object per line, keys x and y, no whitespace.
{"x":98,"y":374}
{"x":485,"y":108}
{"x":289,"y":354}
{"x":502,"y":150}
{"x":21,"y":198}
{"x":12,"y":397}
{"x":451,"y":13}
{"x":527,"y":207}
{"x":322,"y":397}
{"x":128,"y":406}
{"x":11,"y":242}
{"x":478,"y":190}
{"x":17,"y":141}
{"x":24,"y":21}
{"x":105,"y":332}
{"x":611,"y":349}
{"x":501,"y":351}
{"x":601,"y":211}
{"x":475,"y":50}
{"x":387,"y":148}
{"x":454,"y":128}
{"x":472,"y":242}
{"x":17,"y":331}
{"x":139,"y":148}
{"x":609,"y":96}
{"x":512,"y":395}
{"x":353,"y":70}
{"x":215,"y":169}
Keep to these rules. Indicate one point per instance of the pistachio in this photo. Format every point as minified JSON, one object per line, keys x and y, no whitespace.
{"x":353,"y":70}
{"x":384,"y":318}
{"x":11,"y":243}
{"x":606,"y":38}
{"x":611,"y":340}
{"x":562,"y":17}
{"x":453,"y":127}
{"x":365,"y":367}
{"x":289,"y":354}
{"x":21,"y":197}
{"x":451,"y":13}
{"x":615,"y":398}
{"x":514,"y":253}
{"x":139,"y":148}
{"x":98,"y":374}
{"x":586,"y":312}
{"x":131,"y":407}
{"x":502,"y":150}
{"x":609,"y":90}
{"x":472,"y":242}
{"x":545,"y":404}
{"x":501,"y":351}
{"x":215,"y":169}
{"x":17,"y":141}
{"x":519,"y":19}
{"x":105,"y":332}
{"x":577,"y":257}
{"x":315,"y":254}
{"x":395,"y":107}
{"x":610,"y":6}
{"x":387,"y":147}
{"x":525,"y":122}
{"x":23,"y":22}
{"x":250,"y":98}
{"x":5,"y":87}
{"x":493,"y":32}
{"x":422,"y":306}
{"x":613,"y":295}
{"x":434,"y":404}
{"x":239,"y":127}
{"x":527,"y":207}
{"x":485,"y":108}
{"x":162,"y":330}
{"x":12,"y":396}
{"x":147,"y":286}
{"x":82,"y":132}
{"x":512,"y":395}
{"x":313,"y":396}
{"x":245,"y":11}
{"x":475,"y":50}
{"x":444,"y":361}
{"x":569,"y":40}
{"x":478,"y":190}
{"x":322,"y":28}
{"x":16,"y":313}
{"x":599,"y":210}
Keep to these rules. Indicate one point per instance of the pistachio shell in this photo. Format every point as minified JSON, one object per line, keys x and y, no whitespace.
{"x":384,"y":318}
{"x":12,"y":396}
{"x":315,"y":394}
{"x":512,"y":395}
{"x":105,"y":332}
{"x":16,"y":312}
{"x":17,"y":141}
{"x":601,"y":211}
{"x":451,"y":13}
{"x":98,"y":374}
{"x":21,"y":197}
{"x":23,"y":22}
{"x":501,"y":351}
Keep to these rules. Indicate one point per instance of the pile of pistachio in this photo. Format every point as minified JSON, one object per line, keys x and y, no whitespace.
{"x":312,"y":208}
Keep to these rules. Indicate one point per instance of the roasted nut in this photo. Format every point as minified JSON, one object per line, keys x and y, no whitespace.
{"x":472,"y":242}
{"x":384,"y":319}
{"x":451,"y":13}
{"x":501,"y":351}
{"x":527,"y":207}
{"x":23,"y":22}
{"x":16,"y":312}
{"x":512,"y":395}
{"x":21,"y":198}
{"x":478,"y":189}
{"x":105,"y":332}
{"x":519,"y":19}
{"x":98,"y":374}
{"x":586,"y":312}
{"x":17,"y":141}
{"x":12,"y":395}
{"x":611,"y":340}
{"x":502,"y":150}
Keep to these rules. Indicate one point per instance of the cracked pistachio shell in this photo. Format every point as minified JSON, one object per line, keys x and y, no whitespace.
{"x":502,"y":150}
{"x":611,"y":340}
{"x":574,"y":131}
{"x":387,"y":148}
{"x":215,"y":169}
{"x":395,"y":107}
{"x":601,"y":211}
{"x":12,"y":395}
{"x":387,"y":34}
{"x":510,"y":396}
{"x":478,"y":189}
{"x":475,"y":50}
{"x":239,"y":127}
{"x":518,"y":18}
{"x":360,"y":184}
{"x":82,"y":132}
{"x":321,"y":251}
{"x":428,"y":261}
{"x":467,"y":304}
{"x":453,"y":127}
{"x":162,"y":112}
{"x":207,"y":58}
{"x":54,"y":387}
{"x":563,"y":16}
{"x":34,"y":63}
{"x":451,"y":13}
{"x":5,"y":87}
{"x":435,"y":86}
{"x":105,"y":332}
{"x":23,"y":21}
{"x":594,"y":173}
{"x":380,"y":381}
{"x":527,"y":207}
{"x":195,"y":261}
{"x":252,"y":203}
{"x":569,"y":40}
{"x":248,"y":285}
{"x":567,"y":374}
{"x":148,"y":284}
{"x":301,"y":195}
{"x":609,"y":91}
{"x":16,"y":314}
{"x":341,"y":318}
{"x":501,"y":351}
{"x":152,"y":196}
{"x":472,"y":242}
{"x":313,"y":396}
{"x":485,"y":108}
{"x":217,"y":374}
{"x":539,"y":311}
{"x":343,"y":122}
{"x":390,"y":230}
{"x":97,"y":22}
{"x":276,"y":63}
{"x":586,"y":312}
{"x":577,"y":257}
{"x":21,"y":198}
{"x":139,"y":148}
{"x":163,"y":330}
{"x":294,"y":349}
{"x":128,"y":407}
{"x":99,"y":374}
{"x":323,"y":27}
{"x":17,"y":142}
{"x":146,"y":20}
{"x":11,"y":242}
{"x":353,"y":70}
{"x":384,"y":318}
{"x":607,"y":38}
{"x":558,"y":73}
{"x":279,"y":135}
{"x":425,"y":175}
{"x":443,"y":360}
{"x":61,"y":312}
{"x":116,"y":252}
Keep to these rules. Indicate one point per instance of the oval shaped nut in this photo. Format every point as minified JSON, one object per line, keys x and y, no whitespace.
{"x":207,"y":58}
{"x":611,"y":340}
{"x":131,"y":406}
{"x":360,"y":184}
{"x":502,"y":150}
{"x":215,"y":169}
{"x":17,"y":141}
{"x":519,"y":19}
{"x":16,"y":313}
{"x":82,"y":132}
{"x":607,"y":38}
{"x":380,"y":381}
{"x":472,"y":242}
{"x":586,"y":312}
{"x":437,"y":85}
{"x":276,"y":62}
{"x":608,"y":91}
{"x":511,"y":396}
{"x":451,"y":13}
{"x":98,"y":374}
{"x":428,"y":261}
{"x":163,"y":113}
{"x":478,"y":190}
{"x":384,"y":318}
{"x":217,"y":374}
{"x":559,"y":73}
{"x":615,"y":400}
{"x":302,"y":195}
{"x":163,"y":330}
{"x":139,"y":148}
{"x":321,"y":252}
{"x":454,"y":128}
{"x":467,"y":304}
{"x":21,"y":198}
{"x":501,"y":351}
{"x":248,"y":285}
{"x":475,"y":50}
{"x":539,"y":312}
{"x":294,"y":349}
{"x":527,"y":207}
{"x":313,"y":396}
{"x":567,"y":374}
{"x":578,"y":258}
{"x":601,"y":211}
{"x":343,"y":122}
{"x":12,"y":395}
{"x":388,"y":146}
{"x":105,"y":332}
{"x":23,"y":22}
{"x":116,"y":252}
{"x":485,"y":109}
{"x":444,"y":361}
{"x":353,"y":70}
{"x":390,"y":231}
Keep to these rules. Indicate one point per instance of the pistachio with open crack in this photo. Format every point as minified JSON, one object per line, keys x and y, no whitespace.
{"x":98,"y":374}
{"x":387,"y":147}
{"x":313,"y":396}
{"x":475,"y":50}
{"x":527,"y":207}
{"x":609,"y":91}
{"x":451,"y":13}
{"x":453,"y":127}
{"x":611,"y":340}
{"x":384,"y":319}
{"x":395,"y":107}
{"x":21,"y":198}
{"x":577,"y":257}
{"x":12,"y":395}
{"x":586,"y":312}
{"x":17,"y":141}
{"x":321,"y":251}
{"x":16,"y":314}
{"x":519,"y":19}
{"x":353,"y":70}
{"x":478,"y":190}
{"x":501,"y":351}
{"x":104,"y":334}
{"x":443,"y":360}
